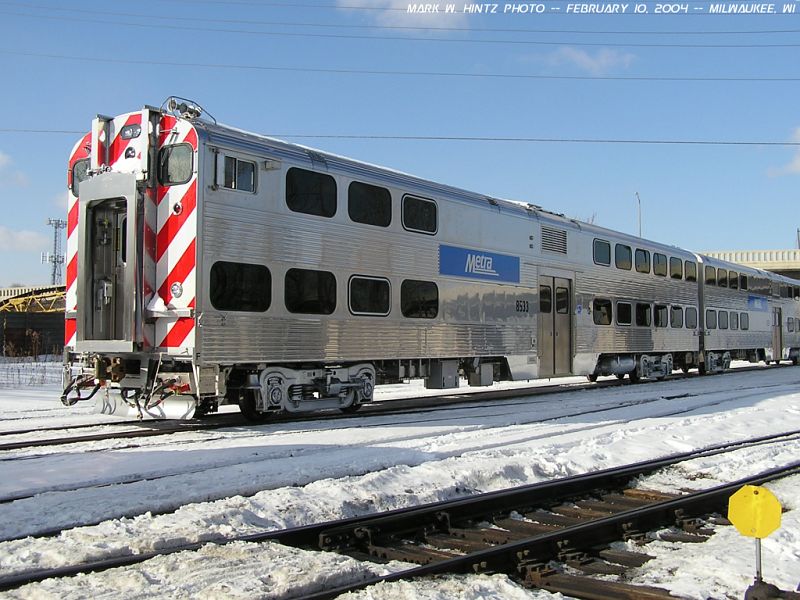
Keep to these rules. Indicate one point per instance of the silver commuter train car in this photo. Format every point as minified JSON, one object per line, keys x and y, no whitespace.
{"x":210,"y":265}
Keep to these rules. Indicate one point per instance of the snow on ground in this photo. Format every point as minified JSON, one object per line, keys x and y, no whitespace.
{"x":221,"y":483}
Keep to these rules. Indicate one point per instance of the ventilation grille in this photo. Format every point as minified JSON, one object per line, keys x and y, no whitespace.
{"x":554,"y":240}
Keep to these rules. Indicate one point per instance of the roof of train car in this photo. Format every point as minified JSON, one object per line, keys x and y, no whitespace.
{"x":219,"y":133}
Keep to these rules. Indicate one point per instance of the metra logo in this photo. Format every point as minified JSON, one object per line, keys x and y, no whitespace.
{"x":480,"y":264}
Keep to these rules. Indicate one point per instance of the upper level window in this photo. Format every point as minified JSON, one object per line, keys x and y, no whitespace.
{"x":722,"y":278}
{"x":602,"y":252}
{"x":675,"y":268}
{"x":601,"y":311}
{"x":622,"y":257}
{"x":175,"y":164}
{"x":711,"y":276}
{"x":310,"y":292}
{"x":369,"y":204}
{"x":643,"y":312}
{"x":659,"y":264}
{"x":239,"y":174}
{"x":419,"y":214}
{"x":240,"y":287}
{"x":369,"y":296}
{"x":419,"y":299}
{"x":691,"y":270}
{"x":310,"y":192}
{"x":642,"y":260}
{"x":80,"y":172}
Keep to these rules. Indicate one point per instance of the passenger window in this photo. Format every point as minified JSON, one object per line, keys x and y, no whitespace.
{"x":660,"y":315}
{"x":722,"y":278}
{"x":723,"y":319}
{"x":675,"y":268}
{"x":562,"y":300}
{"x":742,"y":282}
{"x":602,"y":252}
{"x":419,"y":299}
{"x":711,"y":319}
{"x":369,"y":204}
{"x":80,"y":172}
{"x":691,"y":318}
{"x":734,"y":320}
{"x":642,"y":261}
{"x":601,"y":310}
{"x":659,"y":264}
{"x":624,"y":312}
{"x":310,"y":292}
{"x":622,"y":257}
{"x":240,"y":287}
{"x":744,"y":321}
{"x":175,"y":164}
{"x":691,"y":270}
{"x":545,"y":299}
{"x":676,"y":317}
{"x":310,"y":192}
{"x":643,"y":318}
{"x":790,"y":324}
{"x":733,"y":280}
{"x":239,"y":174}
{"x":419,"y":214}
{"x":369,"y":296}
{"x":711,"y":276}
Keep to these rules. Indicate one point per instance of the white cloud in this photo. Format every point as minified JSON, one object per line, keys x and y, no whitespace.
{"x":394,"y":13}
{"x":10,"y":176}
{"x":793,"y":167}
{"x":599,"y":62}
{"x":24,"y":241}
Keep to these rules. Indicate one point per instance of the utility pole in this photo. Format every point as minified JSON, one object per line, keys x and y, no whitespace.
{"x":639,"y":200}
{"x":56,"y":258}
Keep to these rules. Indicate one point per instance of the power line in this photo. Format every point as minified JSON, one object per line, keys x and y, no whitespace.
{"x":382,"y":72}
{"x":453,"y":138}
{"x":373,"y":38}
{"x":405,"y":27}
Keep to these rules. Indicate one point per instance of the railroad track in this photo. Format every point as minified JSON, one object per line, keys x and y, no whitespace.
{"x":420,"y":404}
{"x":571,"y":521}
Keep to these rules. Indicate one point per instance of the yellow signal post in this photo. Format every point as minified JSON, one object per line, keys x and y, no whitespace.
{"x":755,"y":512}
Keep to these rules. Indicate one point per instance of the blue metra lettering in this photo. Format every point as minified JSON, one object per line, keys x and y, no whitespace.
{"x":476,"y":264}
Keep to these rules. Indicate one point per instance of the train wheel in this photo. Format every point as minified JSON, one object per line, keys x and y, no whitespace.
{"x":634,"y":376}
{"x":620,"y":376}
{"x":592,"y":377}
{"x":795,"y":360}
{"x":247,"y":404}
{"x":353,"y":408}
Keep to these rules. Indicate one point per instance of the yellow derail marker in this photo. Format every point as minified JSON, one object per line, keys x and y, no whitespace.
{"x":755,"y":512}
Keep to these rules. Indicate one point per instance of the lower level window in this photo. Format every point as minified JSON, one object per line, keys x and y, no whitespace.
{"x":369,"y":296}
{"x":711,"y":319}
{"x":310,"y":292}
{"x":643,"y":315}
{"x":744,"y":321}
{"x":419,"y":299}
{"x":691,"y":318}
{"x":240,"y":286}
{"x":601,"y":310}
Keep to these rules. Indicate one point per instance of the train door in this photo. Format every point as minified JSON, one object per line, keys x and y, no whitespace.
{"x":777,"y":333}
{"x":555,"y":326}
{"x":107,"y":256}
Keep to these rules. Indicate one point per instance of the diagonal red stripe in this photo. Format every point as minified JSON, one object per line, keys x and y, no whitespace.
{"x":70,"y":327}
{"x":72,"y":270}
{"x":179,"y":273}
{"x":166,"y":125}
{"x":72,"y":219}
{"x":175,"y":222}
{"x":182,"y":328}
{"x":118,"y":145}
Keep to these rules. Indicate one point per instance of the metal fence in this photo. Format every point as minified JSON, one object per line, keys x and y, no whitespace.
{"x":28,"y":371}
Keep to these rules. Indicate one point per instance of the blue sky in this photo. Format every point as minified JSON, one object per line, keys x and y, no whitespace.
{"x":63,"y":62}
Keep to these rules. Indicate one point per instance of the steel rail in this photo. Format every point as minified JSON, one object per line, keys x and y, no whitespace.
{"x":345,"y":531}
{"x":385,"y":407}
